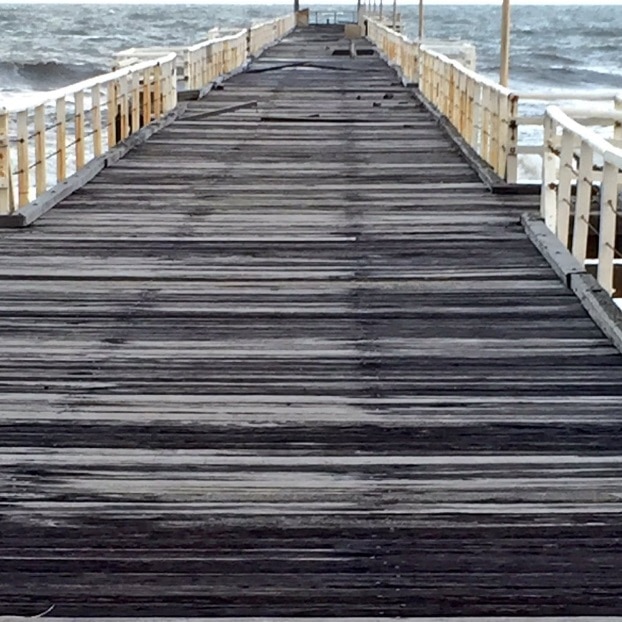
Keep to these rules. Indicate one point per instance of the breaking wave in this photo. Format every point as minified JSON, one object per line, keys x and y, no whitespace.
{"x":45,"y":75}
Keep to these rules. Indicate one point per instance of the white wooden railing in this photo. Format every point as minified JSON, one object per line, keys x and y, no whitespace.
{"x":207,"y":60}
{"x":56,"y":134}
{"x":531,"y":118}
{"x":581,"y":178}
{"x":262,"y":36}
{"x":200,"y":64}
{"x":399,"y":50}
{"x":482,"y":111}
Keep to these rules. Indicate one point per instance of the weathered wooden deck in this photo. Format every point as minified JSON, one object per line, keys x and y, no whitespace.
{"x":296,"y":361}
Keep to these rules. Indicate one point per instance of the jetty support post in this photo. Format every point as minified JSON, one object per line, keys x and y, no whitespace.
{"x":394,"y":19}
{"x":296,"y":6}
{"x":421,"y":21}
{"x":5,"y":164}
{"x":504,"y":74}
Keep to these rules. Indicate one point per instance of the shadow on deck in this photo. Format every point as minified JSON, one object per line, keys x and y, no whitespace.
{"x":295,"y":360}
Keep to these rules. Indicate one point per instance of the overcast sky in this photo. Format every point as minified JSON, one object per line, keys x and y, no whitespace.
{"x":313,"y":3}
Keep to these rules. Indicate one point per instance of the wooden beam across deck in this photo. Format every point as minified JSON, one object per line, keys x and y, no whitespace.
{"x":293,"y":360}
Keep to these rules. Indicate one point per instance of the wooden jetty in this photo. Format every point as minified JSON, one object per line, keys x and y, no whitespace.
{"x":291,"y":358}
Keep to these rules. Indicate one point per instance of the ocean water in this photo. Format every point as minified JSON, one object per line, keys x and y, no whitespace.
{"x":569,"y":48}
{"x":553,"y":47}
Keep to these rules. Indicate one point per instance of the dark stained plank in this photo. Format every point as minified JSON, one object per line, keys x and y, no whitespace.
{"x":294,"y":361}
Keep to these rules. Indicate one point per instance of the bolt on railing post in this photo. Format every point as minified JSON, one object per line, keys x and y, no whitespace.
{"x":6,"y":198}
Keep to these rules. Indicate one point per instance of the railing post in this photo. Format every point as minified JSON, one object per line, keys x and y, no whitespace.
{"x":564,"y":190}
{"x":79,"y":123}
{"x":157,"y":91}
{"x":548,"y":198}
{"x":135,"y":104}
{"x":40,"y":160}
{"x":173,"y":85}
{"x":124,"y":108}
{"x":583,"y":203}
{"x":61,"y":139}
{"x":146,"y":96}
{"x":511,"y":152}
{"x":96,"y":120}
{"x":6,"y":198}
{"x":113,"y":114}
{"x":23,"y":163}
{"x":608,"y":225}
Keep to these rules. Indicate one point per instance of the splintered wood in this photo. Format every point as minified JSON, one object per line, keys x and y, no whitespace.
{"x":292,"y":359}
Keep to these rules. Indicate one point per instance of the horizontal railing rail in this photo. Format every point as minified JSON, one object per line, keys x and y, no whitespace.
{"x":580,"y":180}
{"x":57,"y":133}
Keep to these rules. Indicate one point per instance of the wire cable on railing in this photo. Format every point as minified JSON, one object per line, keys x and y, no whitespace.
{"x":596,"y":232}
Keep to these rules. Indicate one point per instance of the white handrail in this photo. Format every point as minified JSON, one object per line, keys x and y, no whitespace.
{"x":604,"y":95}
{"x":580,"y":167}
{"x":600,"y":145}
